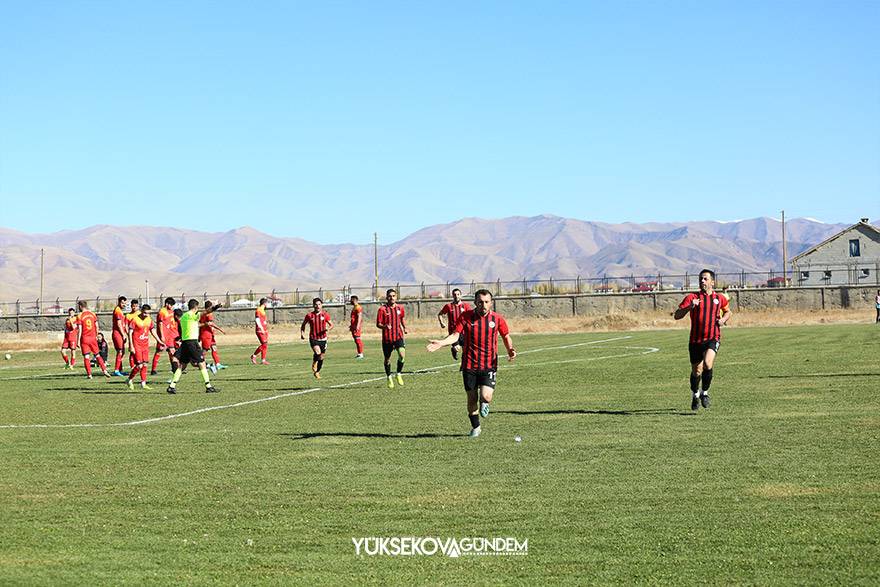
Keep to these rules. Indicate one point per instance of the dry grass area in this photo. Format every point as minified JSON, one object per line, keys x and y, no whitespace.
{"x":428,"y":328}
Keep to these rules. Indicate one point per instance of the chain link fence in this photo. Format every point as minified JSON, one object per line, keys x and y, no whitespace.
{"x":826,"y":275}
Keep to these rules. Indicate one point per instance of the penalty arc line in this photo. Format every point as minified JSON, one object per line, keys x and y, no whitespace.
{"x":427,"y":370}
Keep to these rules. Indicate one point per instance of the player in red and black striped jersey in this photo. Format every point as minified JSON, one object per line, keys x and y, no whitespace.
{"x":479,"y":329}
{"x":453,"y":310}
{"x":709,"y":311}
{"x":357,"y":321}
{"x":319,"y":325}
{"x":391,"y":318}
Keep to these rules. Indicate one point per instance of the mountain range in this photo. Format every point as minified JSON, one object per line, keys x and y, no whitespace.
{"x":108,"y":259}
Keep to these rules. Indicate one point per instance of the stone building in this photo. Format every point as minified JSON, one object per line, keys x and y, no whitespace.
{"x":850,"y":257}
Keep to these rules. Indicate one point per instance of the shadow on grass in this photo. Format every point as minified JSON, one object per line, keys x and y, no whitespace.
{"x":126,"y":392}
{"x":286,"y":389}
{"x":309,"y":435}
{"x":662,"y":412}
{"x":806,"y":375}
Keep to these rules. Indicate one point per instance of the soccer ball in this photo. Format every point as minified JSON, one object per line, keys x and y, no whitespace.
{"x":8,"y":356}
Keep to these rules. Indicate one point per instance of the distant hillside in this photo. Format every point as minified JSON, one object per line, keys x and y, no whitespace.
{"x":109,"y":259}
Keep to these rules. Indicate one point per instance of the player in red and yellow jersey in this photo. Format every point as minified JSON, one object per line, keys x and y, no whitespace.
{"x":140,"y":327}
{"x":453,"y":311}
{"x":357,"y":321}
{"x":119,"y":333}
{"x":262,"y":330}
{"x":88,"y":338}
{"x":71,"y":335}
{"x":128,"y":318}
{"x":206,"y":335}
{"x":319,"y":325}
{"x":166,"y":330}
{"x":390,"y":318}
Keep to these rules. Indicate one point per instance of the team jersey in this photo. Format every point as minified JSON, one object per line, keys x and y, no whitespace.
{"x":704,"y":317}
{"x":480,"y":344}
{"x":129,"y":317}
{"x":204,"y":327}
{"x":119,"y":318}
{"x":70,"y":328}
{"x":88,"y":326}
{"x":356,"y":311}
{"x":318,"y":322}
{"x":392,"y":316}
{"x":260,"y":315}
{"x":167,"y":325}
{"x":140,"y":330}
{"x":453,"y":311}
{"x":189,"y":325}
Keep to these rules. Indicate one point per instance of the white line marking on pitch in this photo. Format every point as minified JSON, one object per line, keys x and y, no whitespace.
{"x":427,"y":370}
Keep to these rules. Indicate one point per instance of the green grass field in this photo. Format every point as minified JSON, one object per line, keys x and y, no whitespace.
{"x":615,"y":480}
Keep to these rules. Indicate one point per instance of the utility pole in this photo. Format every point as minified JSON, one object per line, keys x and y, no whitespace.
{"x":376,"y":261}
{"x":147,"y":287}
{"x":42,"y":257}
{"x":784,"y":255}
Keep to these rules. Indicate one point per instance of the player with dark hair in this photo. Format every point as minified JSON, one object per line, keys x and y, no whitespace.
{"x":357,"y":321}
{"x":319,"y":325}
{"x":167,"y":333}
{"x":262,"y":330}
{"x":135,"y":311}
{"x":391,"y":319}
{"x":452,"y":311}
{"x":88,"y":338}
{"x":479,"y":329}
{"x":206,"y":335}
{"x":69,"y":343}
{"x":709,"y":311}
{"x":118,"y":333}
{"x":140,"y":328}
{"x":190,"y":351}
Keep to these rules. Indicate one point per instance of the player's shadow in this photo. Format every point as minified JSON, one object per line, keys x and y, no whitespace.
{"x":807,"y":375}
{"x":248,"y":379}
{"x":286,"y":389}
{"x":126,"y":392}
{"x":647,"y":412}
{"x":310,"y":435}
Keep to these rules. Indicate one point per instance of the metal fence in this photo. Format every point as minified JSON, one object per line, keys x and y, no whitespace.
{"x":865,"y":274}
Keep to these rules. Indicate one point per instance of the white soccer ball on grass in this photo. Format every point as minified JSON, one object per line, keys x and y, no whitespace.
{"x":8,"y":356}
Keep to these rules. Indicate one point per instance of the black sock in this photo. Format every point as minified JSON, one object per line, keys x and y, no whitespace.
{"x":454,"y":354}
{"x":320,"y":364}
{"x":388,"y":369}
{"x":316,"y":357}
{"x":707,"y":379}
{"x":400,"y":365}
{"x":695,"y":383}
{"x":475,"y":420}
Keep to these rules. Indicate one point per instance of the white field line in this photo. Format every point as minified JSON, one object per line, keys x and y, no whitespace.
{"x":427,"y":370}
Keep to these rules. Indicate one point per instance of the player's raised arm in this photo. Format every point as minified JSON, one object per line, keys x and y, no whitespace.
{"x":690,"y":302}
{"x":434,"y":345}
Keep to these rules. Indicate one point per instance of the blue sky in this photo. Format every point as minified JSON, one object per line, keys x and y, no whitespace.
{"x":333,"y":120}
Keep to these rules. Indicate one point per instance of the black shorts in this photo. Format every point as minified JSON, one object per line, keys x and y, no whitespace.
{"x":190,"y":351}
{"x":387,"y":347}
{"x":473,"y":380}
{"x":460,"y":341}
{"x":697,"y":350}
{"x":321,"y":344}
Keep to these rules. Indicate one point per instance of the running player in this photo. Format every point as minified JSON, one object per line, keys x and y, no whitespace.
{"x":479,"y":329}
{"x":128,"y":318}
{"x":262,"y":330}
{"x":88,"y":340}
{"x":167,"y":333}
{"x":206,"y":336}
{"x":390,"y":318}
{"x":709,"y":311}
{"x":319,"y":325}
{"x":453,"y":310}
{"x":118,"y":333}
{"x":71,"y":334}
{"x":140,"y":328}
{"x":357,"y":321}
{"x":190,"y":352}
